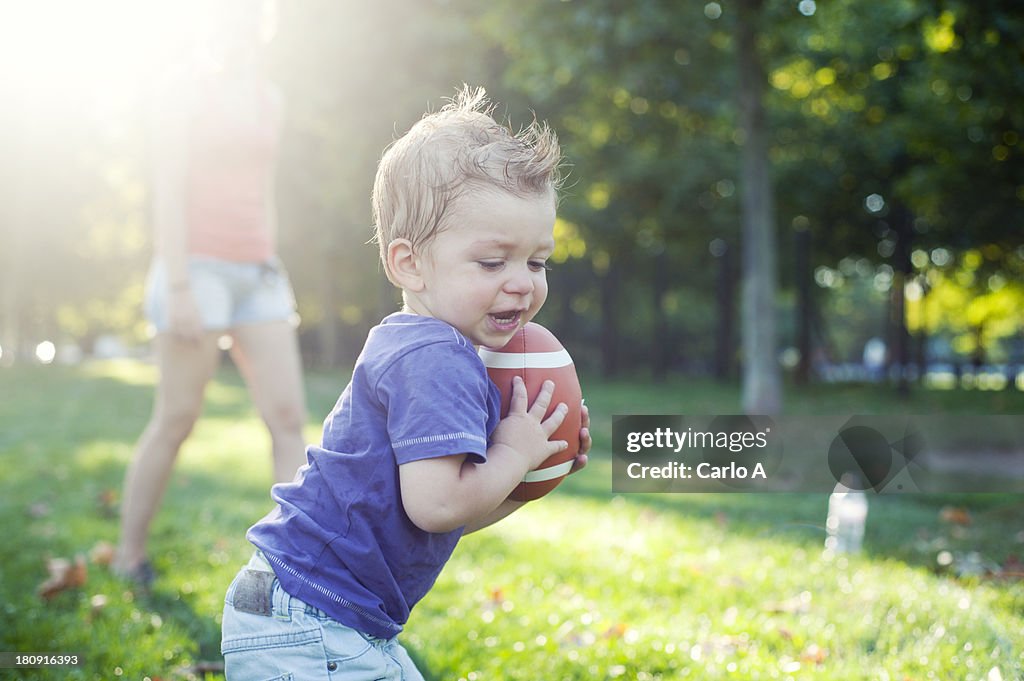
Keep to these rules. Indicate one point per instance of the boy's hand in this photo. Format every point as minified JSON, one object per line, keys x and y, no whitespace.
{"x":443,"y":493}
{"x":586,"y":442}
{"x":526,"y":430}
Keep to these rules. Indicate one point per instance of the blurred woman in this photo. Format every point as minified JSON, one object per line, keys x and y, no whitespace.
{"x":215,"y":270}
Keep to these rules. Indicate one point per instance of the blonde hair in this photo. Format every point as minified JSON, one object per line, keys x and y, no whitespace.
{"x":457,"y":149}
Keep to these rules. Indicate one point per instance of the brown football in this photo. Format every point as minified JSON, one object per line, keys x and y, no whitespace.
{"x":536,"y":355}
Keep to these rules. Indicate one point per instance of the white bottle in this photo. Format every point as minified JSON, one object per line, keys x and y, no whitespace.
{"x":847,"y":513}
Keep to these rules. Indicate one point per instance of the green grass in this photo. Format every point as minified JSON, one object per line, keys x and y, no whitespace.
{"x":580,"y":585}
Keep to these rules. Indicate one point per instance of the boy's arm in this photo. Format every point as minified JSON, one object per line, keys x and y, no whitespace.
{"x":444,"y":493}
{"x":441,"y":471}
{"x":509,"y":506}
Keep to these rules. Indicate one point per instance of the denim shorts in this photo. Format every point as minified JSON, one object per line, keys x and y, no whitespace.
{"x":227,"y":293}
{"x":268,"y":635}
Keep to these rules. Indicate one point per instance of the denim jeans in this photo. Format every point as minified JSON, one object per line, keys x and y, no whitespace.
{"x":271,"y":636}
{"x":227,"y":294}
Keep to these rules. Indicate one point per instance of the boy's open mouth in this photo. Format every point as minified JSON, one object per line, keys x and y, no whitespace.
{"x":504,"y":319}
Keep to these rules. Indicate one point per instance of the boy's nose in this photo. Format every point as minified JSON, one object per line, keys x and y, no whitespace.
{"x":520,"y":282}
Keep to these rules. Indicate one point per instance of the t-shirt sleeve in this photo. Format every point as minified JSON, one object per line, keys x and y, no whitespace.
{"x":436,"y":401}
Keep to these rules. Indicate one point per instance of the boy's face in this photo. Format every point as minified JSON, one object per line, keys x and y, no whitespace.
{"x":485,"y":273}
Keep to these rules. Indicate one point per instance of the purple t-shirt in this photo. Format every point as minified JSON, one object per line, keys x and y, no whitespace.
{"x":339,"y":538}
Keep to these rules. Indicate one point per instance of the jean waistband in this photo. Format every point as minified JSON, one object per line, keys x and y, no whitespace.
{"x":259,"y":562}
{"x":254,"y":592}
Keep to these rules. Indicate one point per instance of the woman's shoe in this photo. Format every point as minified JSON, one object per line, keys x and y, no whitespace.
{"x":142,"y":575}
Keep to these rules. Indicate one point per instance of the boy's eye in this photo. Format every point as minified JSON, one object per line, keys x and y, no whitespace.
{"x":539,"y":265}
{"x":491,"y":265}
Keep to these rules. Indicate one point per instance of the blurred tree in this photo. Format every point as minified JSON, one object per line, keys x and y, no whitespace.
{"x":355,"y":76}
{"x":978,"y":300}
{"x":73,"y":242}
{"x":892,"y":132}
{"x":635,"y":92}
{"x":762,"y":390}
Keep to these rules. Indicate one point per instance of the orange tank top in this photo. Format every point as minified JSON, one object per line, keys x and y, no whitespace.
{"x":232,"y":151}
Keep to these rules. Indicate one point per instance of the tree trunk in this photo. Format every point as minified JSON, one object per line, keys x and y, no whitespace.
{"x":902,"y":224}
{"x":802,"y":281}
{"x":21,"y":165}
{"x":609,"y":321}
{"x":725,"y":292}
{"x":921,"y":339}
{"x":10,"y":287}
{"x":329,"y":332}
{"x":762,"y":390}
{"x":566,"y":291}
{"x":661,"y":343}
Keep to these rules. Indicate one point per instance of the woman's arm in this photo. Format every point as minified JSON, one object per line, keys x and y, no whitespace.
{"x":275,"y":104}
{"x":169,"y":135}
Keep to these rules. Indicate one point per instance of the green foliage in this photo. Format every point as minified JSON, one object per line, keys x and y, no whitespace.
{"x":579,"y":585}
{"x":972,"y":300}
{"x":914,"y":103}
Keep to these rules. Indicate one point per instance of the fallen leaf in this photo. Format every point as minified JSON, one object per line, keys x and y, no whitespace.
{"x":1011,"y":569}
{"x":813,"y":655}
{"x":40,"y":509}
{"x":955,"y":515}
{"x":64,"y":575}
{"x":798,"y":604}
{"x":648,"y":516}
{"x":106,"y":503}
{"x":204,"y":667}
{"x":615,"y":631}
{"x":97,"y":604}
{"x":102,"y":553}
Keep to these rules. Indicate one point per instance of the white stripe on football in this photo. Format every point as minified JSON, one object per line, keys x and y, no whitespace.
{"x":525,"y":360}
{"x":545,"y":474}
{"x":535,"y":355}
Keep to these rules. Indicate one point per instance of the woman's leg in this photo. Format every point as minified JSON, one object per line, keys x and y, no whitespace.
{"x":185,"y":369}
{"x":267,"y":353}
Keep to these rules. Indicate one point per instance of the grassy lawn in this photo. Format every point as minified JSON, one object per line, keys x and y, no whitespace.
{"x":580,"y":585}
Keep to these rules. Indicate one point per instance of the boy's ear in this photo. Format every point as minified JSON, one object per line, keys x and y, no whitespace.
{"x":404,"y":265}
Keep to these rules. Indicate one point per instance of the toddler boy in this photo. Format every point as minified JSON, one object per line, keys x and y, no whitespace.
{"x":414,"y":454}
